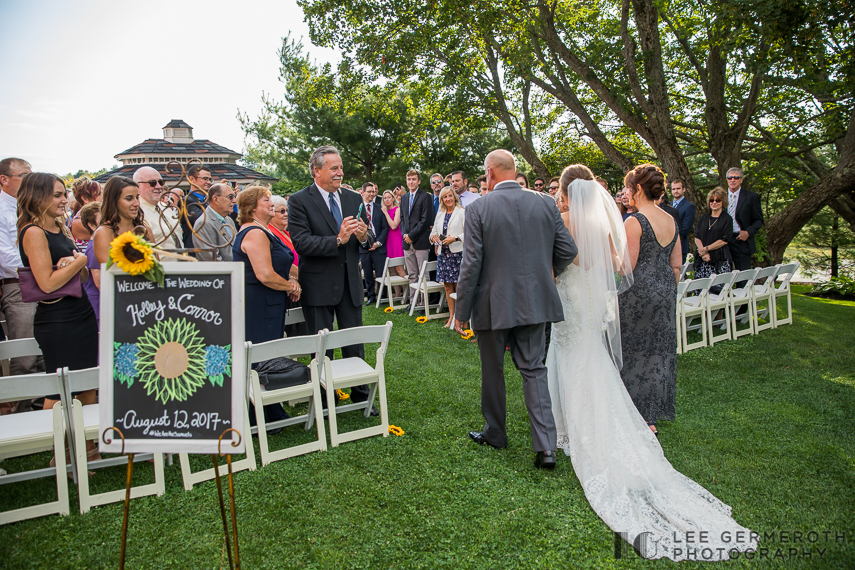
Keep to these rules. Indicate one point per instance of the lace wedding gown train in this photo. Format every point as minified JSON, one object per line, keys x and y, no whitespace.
{"x":619,"y":462}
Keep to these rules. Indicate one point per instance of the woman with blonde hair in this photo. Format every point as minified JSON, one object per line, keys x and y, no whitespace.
{"x":395,"y":239}
{"x":449,"y":244}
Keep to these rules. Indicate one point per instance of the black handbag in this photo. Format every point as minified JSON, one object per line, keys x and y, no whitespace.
{"x":282,"y":372}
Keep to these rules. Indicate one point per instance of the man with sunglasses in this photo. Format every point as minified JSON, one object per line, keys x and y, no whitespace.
{"x":160,"y":219}
{"x":554,"y":184}
{"x":539,"y":183}
{"x":743,"y":205}
{"x":687,"y":213}
{"x":216,"y":228}
{"x":436,"y":185}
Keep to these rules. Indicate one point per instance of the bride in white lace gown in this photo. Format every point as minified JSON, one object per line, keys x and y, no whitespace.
{"x":617,"y":458}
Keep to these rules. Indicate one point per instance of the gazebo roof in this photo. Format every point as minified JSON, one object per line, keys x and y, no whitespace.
{"x":162,"y":146}
{"x":219,"y":171}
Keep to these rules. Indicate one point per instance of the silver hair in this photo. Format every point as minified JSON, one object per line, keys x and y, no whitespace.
{"x":317,"y":159}
{"x":278,"y":200}
{"x":735,"y":169}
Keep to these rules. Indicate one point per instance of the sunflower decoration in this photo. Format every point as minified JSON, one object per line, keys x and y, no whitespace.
{"x":467,"y":334}
{"x":422,"y":320}
{"x":135,"y":256}
{"x":173,"y":363}
{"x":396,"y":430}
{"x":388,"y":310}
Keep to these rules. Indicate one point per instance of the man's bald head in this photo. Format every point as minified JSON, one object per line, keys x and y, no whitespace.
{"x":499,"y":166}
{"x":145,"y":173}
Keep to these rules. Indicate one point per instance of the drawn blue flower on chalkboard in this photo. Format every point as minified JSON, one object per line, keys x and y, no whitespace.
{"x":125,"y":362}
{"x":218,"y":362}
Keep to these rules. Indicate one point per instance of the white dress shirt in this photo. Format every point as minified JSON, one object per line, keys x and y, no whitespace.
{"x":10,"y":258}
{"x":732,"y":201}
{"x":159,"y":226}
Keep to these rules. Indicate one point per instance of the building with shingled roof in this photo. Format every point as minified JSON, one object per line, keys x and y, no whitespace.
{"x":179,"y":145}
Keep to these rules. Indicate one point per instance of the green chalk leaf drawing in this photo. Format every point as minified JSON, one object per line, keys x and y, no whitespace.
{"x":171,"y":360}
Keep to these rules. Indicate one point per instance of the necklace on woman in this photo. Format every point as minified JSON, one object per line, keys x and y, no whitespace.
{"x":710,"y":225}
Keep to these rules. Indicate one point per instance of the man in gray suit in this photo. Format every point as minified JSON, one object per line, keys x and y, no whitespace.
{"x":515,"y":243}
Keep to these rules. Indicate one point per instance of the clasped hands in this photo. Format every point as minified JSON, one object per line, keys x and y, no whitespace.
{"x":447,"y":241}
{"x":351,"y":226}
{"x":296,"y":290}
{"x":63,"y":261}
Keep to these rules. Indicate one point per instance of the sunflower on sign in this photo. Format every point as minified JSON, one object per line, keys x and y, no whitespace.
{"x":422,"y":320}
{"x":135,"y":256}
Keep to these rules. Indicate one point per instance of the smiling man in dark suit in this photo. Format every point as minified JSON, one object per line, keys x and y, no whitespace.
{"x":416,"y":221}
{"x":743,"y":205}
{"x":373,"y":258}
{"x":687,"y":212}
{"x":322,"y":220}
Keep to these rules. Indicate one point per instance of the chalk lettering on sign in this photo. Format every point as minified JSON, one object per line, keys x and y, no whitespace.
{"x":182,"y":305}
{"x":140,"y":311}
{"x":130,"y":286}
{"x":130,"y":420}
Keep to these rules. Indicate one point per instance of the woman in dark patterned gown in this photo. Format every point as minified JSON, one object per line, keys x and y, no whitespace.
{"x":648,"y":309}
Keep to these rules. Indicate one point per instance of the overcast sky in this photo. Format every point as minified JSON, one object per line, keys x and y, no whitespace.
{"x":84,"y":80}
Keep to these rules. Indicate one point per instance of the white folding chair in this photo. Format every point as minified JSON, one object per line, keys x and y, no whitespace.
{"x":84,"y":425}
{"x":741,"y":296}
{"x":354,"y":371}
{"x":764,"y":292}
{"x":389,"y":280}
{"x":782,"y":290}
{"x":695,"y":306}
{"x":681,"y":290}
{"x":260,"y":396}
{"x":683,"y":271}
{"x":10,"y":349}
{"x":423,"y":288}
{"x":33,"y":432}
{"x":720,"y":302}
{"x":191,"y":477}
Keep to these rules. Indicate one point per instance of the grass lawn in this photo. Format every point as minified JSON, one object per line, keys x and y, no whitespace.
{"x":766,"y":423}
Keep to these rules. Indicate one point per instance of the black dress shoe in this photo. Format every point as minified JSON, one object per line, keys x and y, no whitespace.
{"x":545,"y":460}
{"x":478,"y":437}
{"x":374,"y":412}
{"x":370,"y":302}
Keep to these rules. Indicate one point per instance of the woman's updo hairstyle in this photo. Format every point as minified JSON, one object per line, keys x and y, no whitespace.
{"x":651,"y":179}
{"x":571,"y":173}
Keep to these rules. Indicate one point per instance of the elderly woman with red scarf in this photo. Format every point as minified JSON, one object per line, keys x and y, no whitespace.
{"x":279,"y":226}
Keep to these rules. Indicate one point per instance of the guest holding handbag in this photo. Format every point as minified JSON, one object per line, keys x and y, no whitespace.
{"x":57,"y":269}
{"x":449,"y":245}
{"x":712,"y":233}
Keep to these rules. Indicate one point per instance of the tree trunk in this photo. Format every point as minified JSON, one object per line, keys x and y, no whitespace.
{"x":835,"y":226}
{"x":781,"y":229}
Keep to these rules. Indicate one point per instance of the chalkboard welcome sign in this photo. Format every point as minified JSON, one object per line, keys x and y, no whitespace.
{"x":172,"y":359}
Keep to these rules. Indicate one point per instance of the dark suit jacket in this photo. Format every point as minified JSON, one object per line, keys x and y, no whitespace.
{"x":749,"y":214}
{"x":686,"y":222}
{"x":416,"y":219}
{"x":674,"y":214}
{"x":515,"y":240}
{"x":322,"y":262}
{"x":379,"y":227}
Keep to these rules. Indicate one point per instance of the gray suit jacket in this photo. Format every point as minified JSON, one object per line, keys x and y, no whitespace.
{"x":213,"y":231}
{"x":514,"y":241}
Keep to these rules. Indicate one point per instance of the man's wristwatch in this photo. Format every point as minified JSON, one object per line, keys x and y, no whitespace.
{"x":338,"y":241}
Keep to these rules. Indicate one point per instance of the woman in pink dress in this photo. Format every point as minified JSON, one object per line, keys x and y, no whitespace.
{"x":395,"y":240}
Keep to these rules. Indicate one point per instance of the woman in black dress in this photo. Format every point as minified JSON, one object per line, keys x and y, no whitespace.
{"x":712,"y":234}
{"x":66,"y":328}
{"x":648,"y":311}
